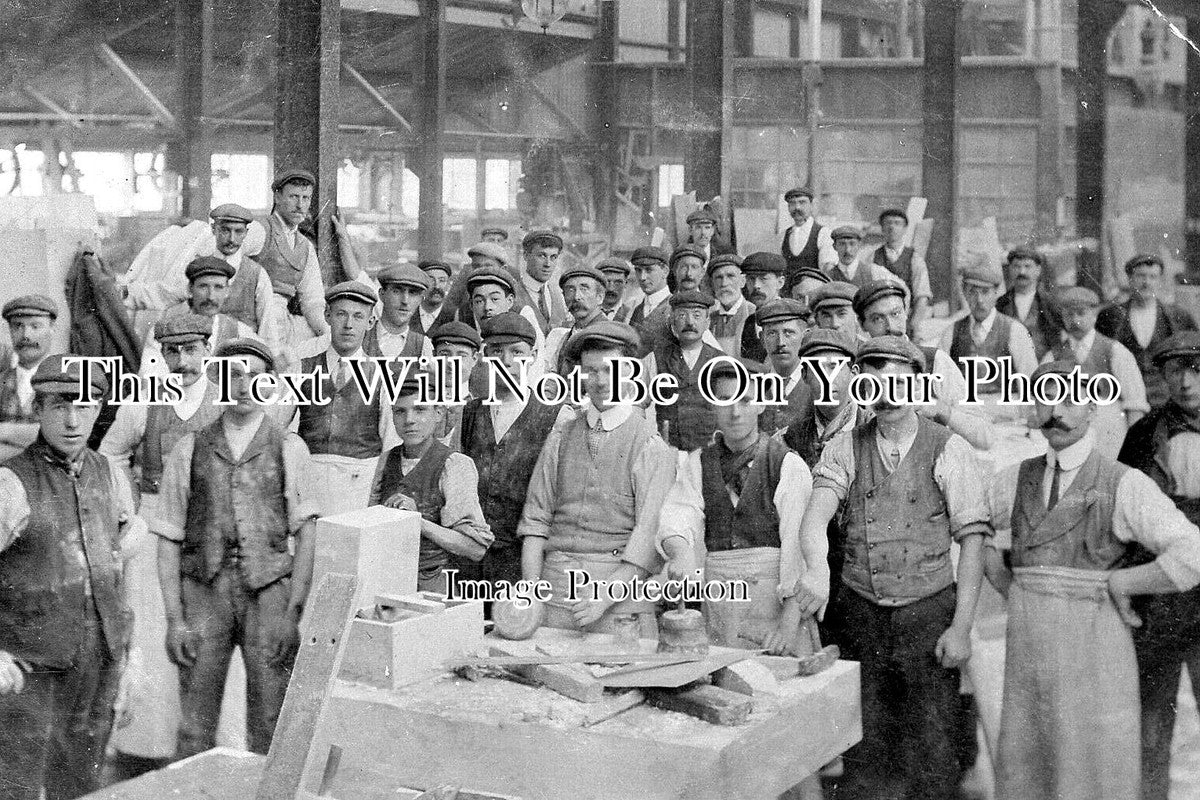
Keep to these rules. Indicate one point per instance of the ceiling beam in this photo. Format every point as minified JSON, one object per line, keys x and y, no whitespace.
{"x":375,"y":95}
{"x":54,"y":107}
{"x":110,"y":57}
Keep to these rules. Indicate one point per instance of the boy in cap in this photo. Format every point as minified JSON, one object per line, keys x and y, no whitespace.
{"x":457,"y":341}
{"x":424,"y":475}
{"x":1069,"y":721}
{"x":616,"y":273}
{"x":402,"y":287}
{"x":764,"y":282}
{"x":144,"y":436}
{"x":583,"y":290}
{"x":1029,"y":301}
{"x":250,"y":288}
{"x":744,"y":495}
{"x":832,"y":308}
{"x":64,"y":516}
{"x":985,"y":332}
{"x":1165,"y":445}
{"x":535,"y":287}
{"x":492,"y":292}
{"x":1095,"y":353}
{"x":850,"y":268}
{"x":806,"y":243}
{"x":905,"y":488}
{"x":31,"y":326}
{"x":732,"y":309}
{"x":597,"y":488}
{"x":904,"y":262}
{"x":236,"y":523}
{"x":702,"y":233}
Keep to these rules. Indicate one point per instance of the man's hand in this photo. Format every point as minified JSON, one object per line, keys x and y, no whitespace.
{"x":953,"y":647}
{"x":586,"y":612}
{"x":681,"y":558}
{"x":181,"y":643}
{"x":1118,"y":590}
{"x":812,"y":591}
{"x":401,"y":501}
{"x":284,"y":640}
{"x":782,"y":640}
{"x":12,"y":677}
{"x":339,"y":227}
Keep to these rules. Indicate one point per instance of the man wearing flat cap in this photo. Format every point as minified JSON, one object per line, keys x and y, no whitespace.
{"x":616,"y":273}
{"x":250,"y":287}
{"x":1143,"y":322}
{"x":291,"y":260}
{"x":236,"y":524}
{"x":402,"y":287}
{"x":504,"y":440}
{"x":850,"y":266}
{"x":764,"y":282}
{"x":687,"y":267}
{"x":458,"y":341}
{"x":702,"y":233}
{"x":494,"y":291}
{"x":1030,"y":301}
{"x":1096,"y":353}
{"x":583,"y":290}
{"x":806,"y":243}
{"x":903,"y":261}
{"x":31,"y":327}
{"x":650,"y":317}
{"x":783,"y":323}
{"x":65,"y":515}
{"x":597,"y":488}
{"x":142,"y":437}
{"x":832,"y":308}
{"x":728,"y":317}
{"x":1070,"y":657}
{"x":985,"y":332}
{"x":802,"y":285}
{"x":1165,"y":445}
{"x":536,"y":287}
{"x":440,"y":277}
{"x":905,"y":488}
{"x":494,"y":235}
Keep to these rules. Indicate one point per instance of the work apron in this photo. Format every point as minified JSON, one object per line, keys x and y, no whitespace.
{"x":598,"y":566}
{"x":732,"y":623}
{"x":342,"y":483}
{"x":1070,"y":722}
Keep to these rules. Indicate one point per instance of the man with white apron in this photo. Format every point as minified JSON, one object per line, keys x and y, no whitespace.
{"x":1069,"y":725}
{"x":597,"y":489}
{"x":744,"y":496}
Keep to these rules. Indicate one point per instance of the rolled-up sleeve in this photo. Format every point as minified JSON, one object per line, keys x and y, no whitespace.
{"x":653,"y":473}
{"x":683,"y":509}
{"x":962,"y":480}
{"x":543,"y":488}
{"x":791,"y":498}
{"x":174,"y":490}
{"x":299,"y":491}
{"x":835,"y":469}
{"x":1143,"y":514}
{"x":461,"y":512}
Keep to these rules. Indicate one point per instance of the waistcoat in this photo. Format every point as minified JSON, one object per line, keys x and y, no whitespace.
{"x":164,"y":429}
{"x":284,"y":264}
{"x":861,"y":276}
{"x":413,"y":343}
{"x":994,"y":345}
{"x":10,"y":406}
{"x":422,"y":484}
{"x":1099,"y":358}
{"x":240,"y":303}
{"x":345,"y":426}
{"x":901,"y":267}
{"x":755,"y":521}
{"x":807,"y":257}
{"x":691,"y":419}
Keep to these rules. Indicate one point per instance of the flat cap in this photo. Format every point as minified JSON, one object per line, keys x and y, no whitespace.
{"x":351,"y":290}
{"x":292,"y":176}
{"x":982,"y":271}
{"x":614,"y":264}
{"x":845,"y":232}
{"x":1078,"y":297}
{"x":604,"y":332}
{"x":823,"y":340}
{"x":1062,"y":366}
{"x":53,"y":376}
{"x":489,"y":250}
{"x":582,"y":271}
{"x":877,"y":290}
{"x":692,"y":298}
{"x":180,"y":328}
{"x":780,"y":309}
{"x":724,"y":368}
{"x":892,"y":212}
{"x":761,"y":263}
{"x":426,"y":266}
{"x":404,"y":275}
{"x":810,"y":273}
{"x":832,"y":295}
{"x":685,"y":250}
{"x":892,"y":348}
{"x":231,"y":212}
{"x":508,"y":327}
{"x":799,"y":191}
{"x":724,"y":260}
{"x":246,"y":347}
{"x":1143,"y":260}
{"x":1026,"y":252}
{"x":484,"y":275}
{"x":208,"y":265}
{"x":702,"y":215}
{"x":455,"y":332}
{"x":650,"y":254}
{"x":494,"y":230}
{"x":30,"y":305}
{"x":544,"y":238}
{"x":1185,"y":344}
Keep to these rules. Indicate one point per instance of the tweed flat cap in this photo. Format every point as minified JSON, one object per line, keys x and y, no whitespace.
{"x":486,"y":275}
{"x":877,"y":290}
{"x":292,"y":176}
{"x":180,"y":328}
{"x":983,"y":272}
{"x":351,"y":290}
{"x":780,"y":309}
{"x":810,"y":273}
{"x":1062,"y":366}
{"x":489,"y":250}
{"x":692,"y":298}
{"x":543,"y":238}
{"x":614,"y":264}
{"x":724,"y":368}
{"x":764,"y":263}
{"x":426,"y":266}
{"x":1143,"y":260}
{"x":53,"y":376}
{"x":404,"y":275}
{"x":643,"y":254}
{"x":455,"y":332}
{"x":1026,"y":252}
{"x":30,"y":305}
{"x":685,"y":250}
{"x":846,"y":232}
{"x":702,"y":215}
{"x":582,"y":272}
{"x":494,"y":231}
{"x":799,"y":191}
{"x":724,"y":260}
{"x":1078,"y":297}
{"x":892,"y":348}
{"x":832,"y":295}
{"x":508,"y":327}
{"x":1185,"y":344}
{"x":208,"y":265}
{"x":231,"y":212}
{"x":824,"y":340}
{"x":246,"y":347}
{"x":616,"y":334}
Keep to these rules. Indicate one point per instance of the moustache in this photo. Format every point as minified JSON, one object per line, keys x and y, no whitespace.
{"x":437,"y":294}
{"x":24,"y":343}
{"x":689,"y":329}
{"x":574,"y":306}
{"x":206,"y":305}
{"x":1056,"y":424}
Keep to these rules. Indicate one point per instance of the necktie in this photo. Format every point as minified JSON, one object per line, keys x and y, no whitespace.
{"x":1054,"y":488}
{"x":542,"y":305}
{"x":343,"y":374}
{"x":595,"y":438}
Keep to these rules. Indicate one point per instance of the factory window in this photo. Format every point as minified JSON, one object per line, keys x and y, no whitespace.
{"x":994,"y":27}
{"x":21,"y":171}
{"x":998,"y":178}
{"x":347,"y":184}
{"x":410,"y":194}
{"x":866,"y":168}
{"x":148,"y":185}
{"x":670,"y":183}
{"x":501,"y":178}
{"x":767,"y":161}
{"x":108,"y":178}
{"x":646,"y":33}
{"x":242,"y":178}
{"x":458,"y":184}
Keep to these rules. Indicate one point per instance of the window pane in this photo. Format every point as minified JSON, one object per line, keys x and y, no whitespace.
{"x":643,"y":20}
{"x":108,"y":179}
{"x":242,"y":178}
{"x":772,"y":34}
{"x":670,"y":183}
{"x":410,"y":194}
{"x":500,"y":178}
{"x":458,"y":183}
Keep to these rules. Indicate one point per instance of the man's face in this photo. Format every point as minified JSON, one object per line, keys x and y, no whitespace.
{"x":614,"y":289}
{"x":485,"y":261}
{"x":509,"y":353}
{"x":540,"y":261}
{"x":65,"y":424}
{"x":803,"y":290}
{"x":837,"y":318}
{"x":886,"y":317}
{"x":727,"y":283}
{"x":689,"y":324}
{"x":31,"y":336}
{"x":800,"y":208}
{"x":582,"y":296}
{"x":441,"y":284}
{"x":1025,"y":274}
{"x":208,"y":293}
{"x":1183,"y":382}
{"x":490,"y":299}
{"x":241,"y":378}
{"x":415,"y":423}
{"x":737,"y":422}
{"x":689,"y":271}
{"x":1145,"y":281}
{"x":348,"y":321}
{"x":847,"y":249}
{"x":495,"y":238}
{"x":229,"y":235}
{"x":981,"y":298}
{"x":400,"y":301}
{"x":467,"y":356}
{"x":884,"y":408}
{"x":292,"y":202}
{"x":781,"y":340}
{"x":1079,"y":320}
{"x":702,"y":232}
{"x":893,"y":229}
{"x":186,"y":359}
{"x":764,"y":287}
{"x":840,"y":381}
{"x":598,"y":374}
{"x":1064,"y":424}
{"x":651,"y":276}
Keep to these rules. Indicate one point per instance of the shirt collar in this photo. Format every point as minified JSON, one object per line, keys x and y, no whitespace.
{"x":985,"y":327}
{"x":1071,"y":458}
{"x":735,"y":308}
{"x":234,"y":260}
{"x":383,"y":330}
{"x":533,"y":286}
{"x":332,"y":358}
{"x":610,"y":418}
{"x":655,"y":300}
{"x":1085,"y":343}
{"x":286,"y":227}
{"x":849,"y":270}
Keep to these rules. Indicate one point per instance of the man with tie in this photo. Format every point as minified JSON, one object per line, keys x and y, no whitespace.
{"x":732,"y":311}
{"x":764,"y":282}
{"x":583,"y":289}
{"x":702,"y":232}
{"x":904,"y":262}
{"x":616,"y":278}
{"x":651,"y":265}
{"x":1029,"y":301}
{"x":440,"y":274}
{"x":402,"y":288}
{"x":806,"y":244}
{"x":783,"y":325}
{"x":250,"y":288}
{"x":541,"y":250}
{"x":849,"y":268}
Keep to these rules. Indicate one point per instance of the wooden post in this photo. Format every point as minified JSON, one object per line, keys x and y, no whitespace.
{"x":605,"y":90}
{"x":307,"y":88}
{"x":939,"y":162}
{"x":1191,"y":158}
{"x":189,"y":155}
{"x":432,"y":132}
{"x":710,"y":48}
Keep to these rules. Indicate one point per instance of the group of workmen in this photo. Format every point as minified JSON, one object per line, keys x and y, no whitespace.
{"x":197,"y":519}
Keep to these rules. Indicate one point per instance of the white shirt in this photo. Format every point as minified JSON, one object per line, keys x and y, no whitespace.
{"x":799,"y":236}
{"x":610,"y":419}
{"x":793,"y":381}
{"x":129,"y":426}
{"x":535,"y":289}
{"x":732,"y":310}
{"x":392,"y":344}
{"x":288,"y":230}
{"x":1024,"y":302}
{"x":240,"y":436}
{"x":428,"y":318}
{"x":504,"y":415}
{"x":691,"y":354}
{"x":25,"y":384}
{"x":653,"y":301}
{"x":1142,"y":320}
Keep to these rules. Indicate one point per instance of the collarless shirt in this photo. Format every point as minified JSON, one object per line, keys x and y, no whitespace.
{"x":653,"y":301}
{"x":504,"y":414}
{"x":1142,"y":321}
{"x":799,"y":235}
{"x":1024,"y":302}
